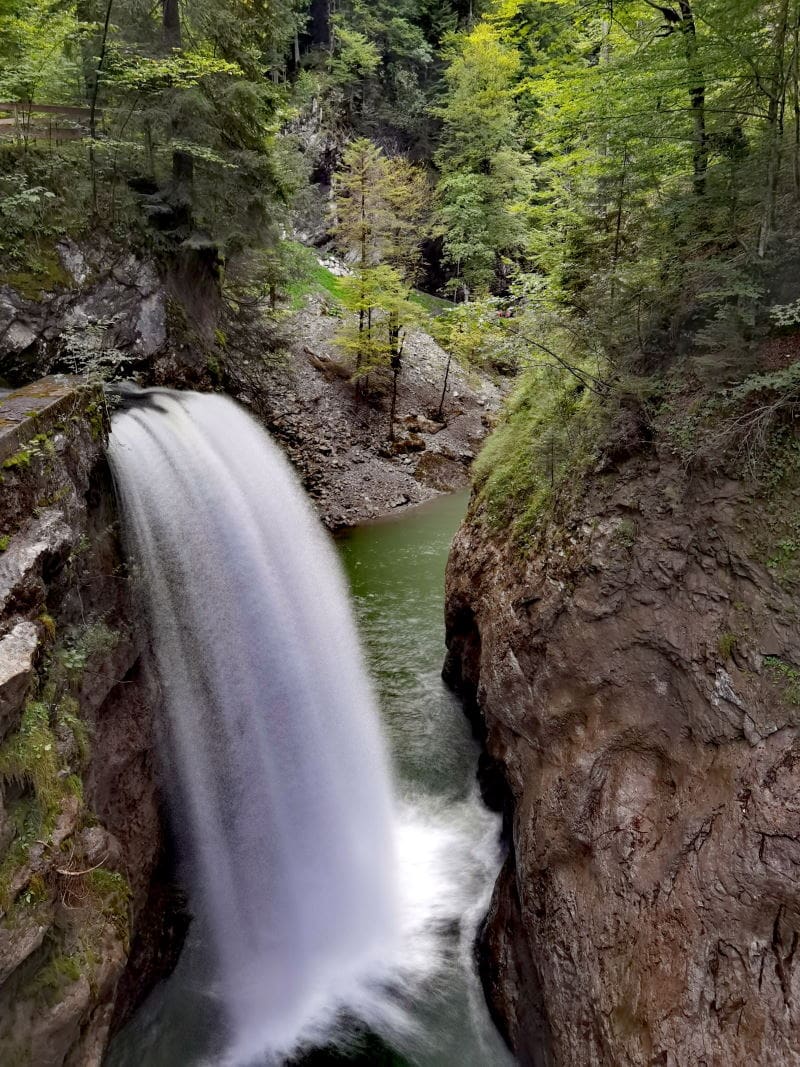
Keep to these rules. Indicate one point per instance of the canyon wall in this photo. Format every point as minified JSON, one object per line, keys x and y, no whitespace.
{"x":87,"y":916}
{"x":636,"y":679}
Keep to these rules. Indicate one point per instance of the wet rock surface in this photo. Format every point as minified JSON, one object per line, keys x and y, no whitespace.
{"x":632,"y":677}
{"x":81,"y":835}
{"x":118,"y":297}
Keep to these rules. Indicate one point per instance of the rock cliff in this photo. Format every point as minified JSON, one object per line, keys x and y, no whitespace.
{"x":81,"y":838}
{"x":636,"y":679}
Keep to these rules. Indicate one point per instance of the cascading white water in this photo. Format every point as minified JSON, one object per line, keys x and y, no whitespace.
{"x":273,"y":752}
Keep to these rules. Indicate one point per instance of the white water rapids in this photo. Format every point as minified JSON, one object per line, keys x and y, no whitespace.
{"x":318,"y":896}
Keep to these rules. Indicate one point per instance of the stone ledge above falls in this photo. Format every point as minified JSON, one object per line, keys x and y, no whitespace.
{"x":49,"y":431}
{"x":38,"y":407}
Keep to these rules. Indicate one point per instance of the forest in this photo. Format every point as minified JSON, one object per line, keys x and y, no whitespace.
{"x":606,"y":191}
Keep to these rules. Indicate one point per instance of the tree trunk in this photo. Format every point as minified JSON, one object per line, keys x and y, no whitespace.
{"x":697,"y":95}
{"x":618,"y":230}
{"x":777,"y":102}
{"x":171,"y":24}
{"x":396,"y":364}
{"x":444,"y":387}
{"x":101,"y":58}
{"x":182,"y":162}
{"x":86,"y":12}
{"x":796,"y":104}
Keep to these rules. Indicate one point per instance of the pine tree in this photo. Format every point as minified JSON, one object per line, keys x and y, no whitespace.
{"x":484,"y":179}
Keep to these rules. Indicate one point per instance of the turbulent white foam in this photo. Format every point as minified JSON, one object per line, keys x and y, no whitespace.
{"x":273,"y":751}
{"x":448,"y":859}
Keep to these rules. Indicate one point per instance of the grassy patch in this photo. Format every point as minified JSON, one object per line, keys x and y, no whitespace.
{"x":434,"y":305}
{"x":26,"y":819}
{"x":40,"y":445}
{"x":94,"y":639}
{"x":43,"y":274}
{"x":315,"y":279}
{"x":625,"y":533}
{"x":29,"y":758}
{"x":788,"y":675}
{"x":774,"y":517}
{"x":68,"y":718}
{"x":60,"y":971}
{"x":110,"y":895}
{"x":19,"y":459}
{"x":726,"y":644}
{"x":549,"y":433}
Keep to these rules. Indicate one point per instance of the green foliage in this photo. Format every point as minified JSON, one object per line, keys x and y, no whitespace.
{"x":625,"y":533}
{"x":92,"y":640}
{"x":380,"y":208}
{"x":477,"y":336}
{"x":195,"y":110}
{"x":18,"y":459}
{"x":288,"y":269}
{"x":384,"y":66}
{"x":29,"y":757}
{"x":788,"y":675}
{"x":68,"y":718}
{"x":549,"y":432}
{"x":153,"y":74}
{"x":786,"y":315}
{"x":354,"y":56}
{"x":51,"y":980}
{"x":435,"y":306}
{"x":27,"y":823}
{"x":111,"y":895}
{"x":484,"y":180}
{"x":726,"y":644}
{"x":381,"y":311}
{"x":748,"y":423}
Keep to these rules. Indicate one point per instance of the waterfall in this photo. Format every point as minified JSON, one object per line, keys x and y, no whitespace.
{"x":272,"y":753}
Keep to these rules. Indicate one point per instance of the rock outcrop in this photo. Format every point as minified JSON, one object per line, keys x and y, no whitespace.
{"x":80,"y":827}
{"x":636,"y":679}
{"x":99,"y":303}
{"x":112,"y":312}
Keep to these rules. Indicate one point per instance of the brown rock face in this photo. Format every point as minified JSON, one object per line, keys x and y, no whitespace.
{"x":635,"y":678}
{"x":82,"y":885}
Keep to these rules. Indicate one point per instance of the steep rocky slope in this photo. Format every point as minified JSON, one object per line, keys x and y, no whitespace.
{"x":637,"y":679}
{"x":81,"y":838}
{"x":289,"y":373}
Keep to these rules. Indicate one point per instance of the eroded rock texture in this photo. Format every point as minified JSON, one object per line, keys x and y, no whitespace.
{"x":80,"y":829}
{"x":636,"y":675}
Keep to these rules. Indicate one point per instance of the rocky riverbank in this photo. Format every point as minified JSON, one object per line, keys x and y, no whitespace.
{"x":112,"y":314}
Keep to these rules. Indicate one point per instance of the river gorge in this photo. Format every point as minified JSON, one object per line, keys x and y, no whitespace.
{"x":407,"y":976}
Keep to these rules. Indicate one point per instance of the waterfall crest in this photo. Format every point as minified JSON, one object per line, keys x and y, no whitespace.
{"x":273,"y":754}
